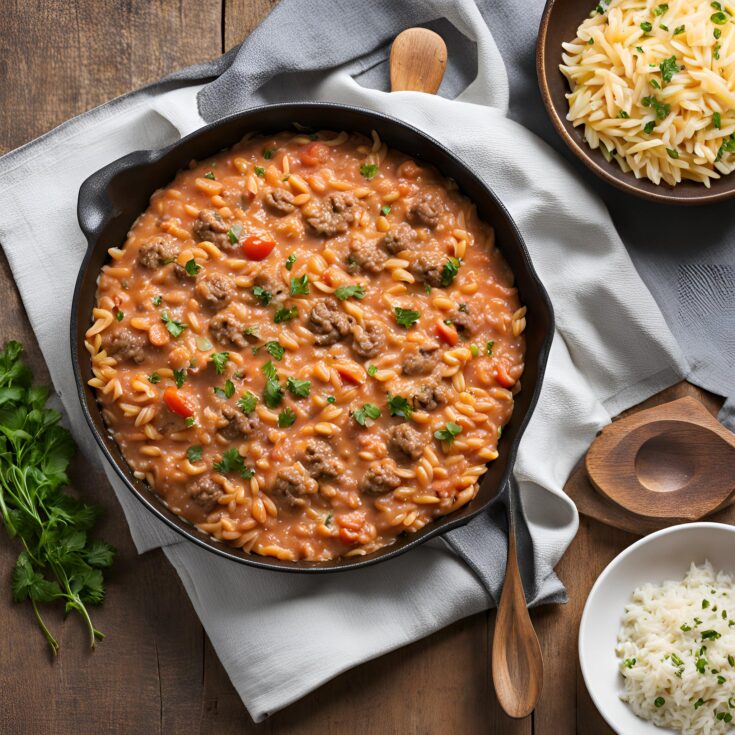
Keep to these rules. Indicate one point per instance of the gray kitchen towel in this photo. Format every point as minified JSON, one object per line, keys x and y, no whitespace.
{"x":612,"y":347}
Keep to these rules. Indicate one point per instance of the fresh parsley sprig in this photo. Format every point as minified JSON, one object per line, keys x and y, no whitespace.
{"x":59,"y":561}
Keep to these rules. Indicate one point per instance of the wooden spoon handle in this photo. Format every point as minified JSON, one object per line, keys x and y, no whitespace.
{"x":418,"y":59}
{"x":517,"y":664}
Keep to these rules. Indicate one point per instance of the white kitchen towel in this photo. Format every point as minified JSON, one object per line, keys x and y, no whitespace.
{"x":280,"y":635}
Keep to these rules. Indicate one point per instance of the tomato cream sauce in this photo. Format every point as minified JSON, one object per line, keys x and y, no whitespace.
{"x":308,"y":345}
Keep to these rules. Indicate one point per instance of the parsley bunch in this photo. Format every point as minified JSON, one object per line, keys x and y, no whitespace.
{"x":58,"y":561}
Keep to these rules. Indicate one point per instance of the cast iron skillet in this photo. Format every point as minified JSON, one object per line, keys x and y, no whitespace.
{"x":111,"y":199}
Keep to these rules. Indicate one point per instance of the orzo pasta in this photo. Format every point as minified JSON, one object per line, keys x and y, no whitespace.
{"x":308,"y":345}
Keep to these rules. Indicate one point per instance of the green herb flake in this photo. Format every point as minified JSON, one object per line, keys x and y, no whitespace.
{"x":673,"y":153}
{"x":686,"y":628}
{"x":192,"y":267}
{"x":660,"y":9}
{"x":189,"y":422}
{"x":716,"y":51}
{"x":399,"y":406}
{"x":639,"y":49}
{"x":724,"y":716}
{"x":328,"y":520}
{"x":286,"y":418}
{"x":623,"y":114}
{"x":231,"y":462}
{"x":698,"y":703}
{"x":406,"y":317}
{"x":649,"y":126}
{"x":210,"y":175}
{"x":179,"y":377}
{"x":227,"y":392}
{"x":716,"y":120}
{"x":701,"y":664}
{"x":663,"y":27}
{"x":331,"y":399}
{"x":710,"y":635}
{"x":718,"y":19}
{"x":259,"y":171}
{"x":475,"y":350}
{"x":448,"y":433}
{"x":175,"y":328}
{"x":728,"y":146}
{"x":450,"y":270}
{"x":233,"y":234}
{"x":369,"y":411}
{"x":263,"y":296}
{"x":219,"y":360}
{"x":629,"y":663}
{"x":275,"y":350}
{"x":705,"y":604}
{"x":119,"y":315}
{"x":299,"y":388}
{"x":659,"y":701}
{"x":268,"y":153}
{"x":369,"y":170}
{"x":679,"y":30}
{"x":654,"y":83}
{"x":247,"y":402}
{"x":300,"y":286}
{"x":717,"y":33}
{"x":646,"y":27}
{"x":284,"y":314}
{"x":194,"y":453}
{"x":372,"y":370}
{"x":353,"y":291}
{"x":157,"y":300}
{"x":489,"y":347}
{"x":668,"y":68}
{"x":290,"y":261}
{"x":385,"y":210}
{"x":154,"y":378}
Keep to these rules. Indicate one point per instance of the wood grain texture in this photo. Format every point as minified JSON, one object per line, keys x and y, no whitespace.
{"x":418,"y":58}
{"x":155,"y":672}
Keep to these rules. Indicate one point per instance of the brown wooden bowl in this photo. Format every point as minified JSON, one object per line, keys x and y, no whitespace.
{"x":559,"y":23}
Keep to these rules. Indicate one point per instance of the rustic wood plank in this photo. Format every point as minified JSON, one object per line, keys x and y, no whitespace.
{"x":241,"y":18}
{"x":58,"y":59}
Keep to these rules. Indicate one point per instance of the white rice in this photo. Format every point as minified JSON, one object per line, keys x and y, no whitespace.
{"x":676,"y":648}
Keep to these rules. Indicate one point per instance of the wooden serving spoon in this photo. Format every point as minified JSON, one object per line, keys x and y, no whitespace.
{"x":418,"y":59}
{"x":674,"y":462}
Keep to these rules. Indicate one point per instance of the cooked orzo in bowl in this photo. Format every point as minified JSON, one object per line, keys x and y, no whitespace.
{"x":308,"y":345}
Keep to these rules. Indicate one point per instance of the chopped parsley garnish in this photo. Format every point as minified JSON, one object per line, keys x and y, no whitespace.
{"x":194,"y":453}
{"x":623,"y":114}
{"x":659,"y":701}
{"x":233,"y":234}
{"x":385,"y":210}
{"x":272,"y":392}
{"x":190,"y":421}
{"x":676,"y":660}
{"x":353,"y":291}
{"x":660,"y":9}
{"x":371,"y":370}
{"x":119,"y":315}
{"x":698,"y":703}
{"x":701,"y":664}
{"x":716,"y":52}
{"x":399,"y":406}
{"x":646,"y":27}
{"x":299,"y":388}
{"x":227,"y":392}
{"x":710,"y":635}
{"x":369,"y":411}
{"x":489,"y":347}
{"x":154,"y":378}
{"x":219,"y":360}
{"x":668,"y":68}
{"x":331,"y":399}
{"x":175,"y":328}
{"x":285,"y":314}
{"x":268,"y":153}
{"x":654,"y":83}
{"x":629,"y":663}
{"x":717,"y":33}
{"x":368,"y":170}
{"x":731,"y":660}
{"x":686,"y":628}
{"x":157,"y":300}
{"x":721,"y":679}
{"x":673,"y":153}
{"x":328,"y":520}
{"x":661,"y":108}
{"x":275,"y":349}
{"x":247,"y":402}
{"x":290,"y":261}
{"x":192,"y":267}
{"x":262,"y":295}
{"x":724,"y":716}
{"x":300,"y":286}
{"x":210,"y":175}
{"x":718,"y":19}
{"x":179,"y":377}
{"x":728,"y":146}
{"x":451,"y":268}
{"x":663,"y":27}
{"x":448,"y":433}
{"x":406,"y":317}
{"x":705,"y":604}
{"x":286,"y":418}
{"x":649,"y":126}
{"x":232,"y":462}
{"x":475,"y":350}
{"x":639,"y":49}
{"x":679,"y":29}
{"x":259,"y":171}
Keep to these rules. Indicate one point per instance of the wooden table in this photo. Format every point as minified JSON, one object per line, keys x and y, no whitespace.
{"x":156,"y":671}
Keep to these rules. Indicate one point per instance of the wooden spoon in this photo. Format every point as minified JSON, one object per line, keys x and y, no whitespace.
{"x":674,"y":462}
{"x":418,"y":59}
{"x":518,"y":667}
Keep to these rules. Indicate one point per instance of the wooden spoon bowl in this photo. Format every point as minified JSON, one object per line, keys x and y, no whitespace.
{"x":673,"y":462}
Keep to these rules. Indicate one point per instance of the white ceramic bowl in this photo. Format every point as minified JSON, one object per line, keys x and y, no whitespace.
{"x":663,"y":555}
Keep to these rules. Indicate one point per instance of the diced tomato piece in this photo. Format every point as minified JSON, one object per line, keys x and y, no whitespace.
{"x":314,"y":154}
{"x":503,"y":376}
{"x":353,"y":521}
{"x":257,"y":249}
{"x":176,"y":403}
{"x":447,"y":333}
{"x":349,"y":536}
